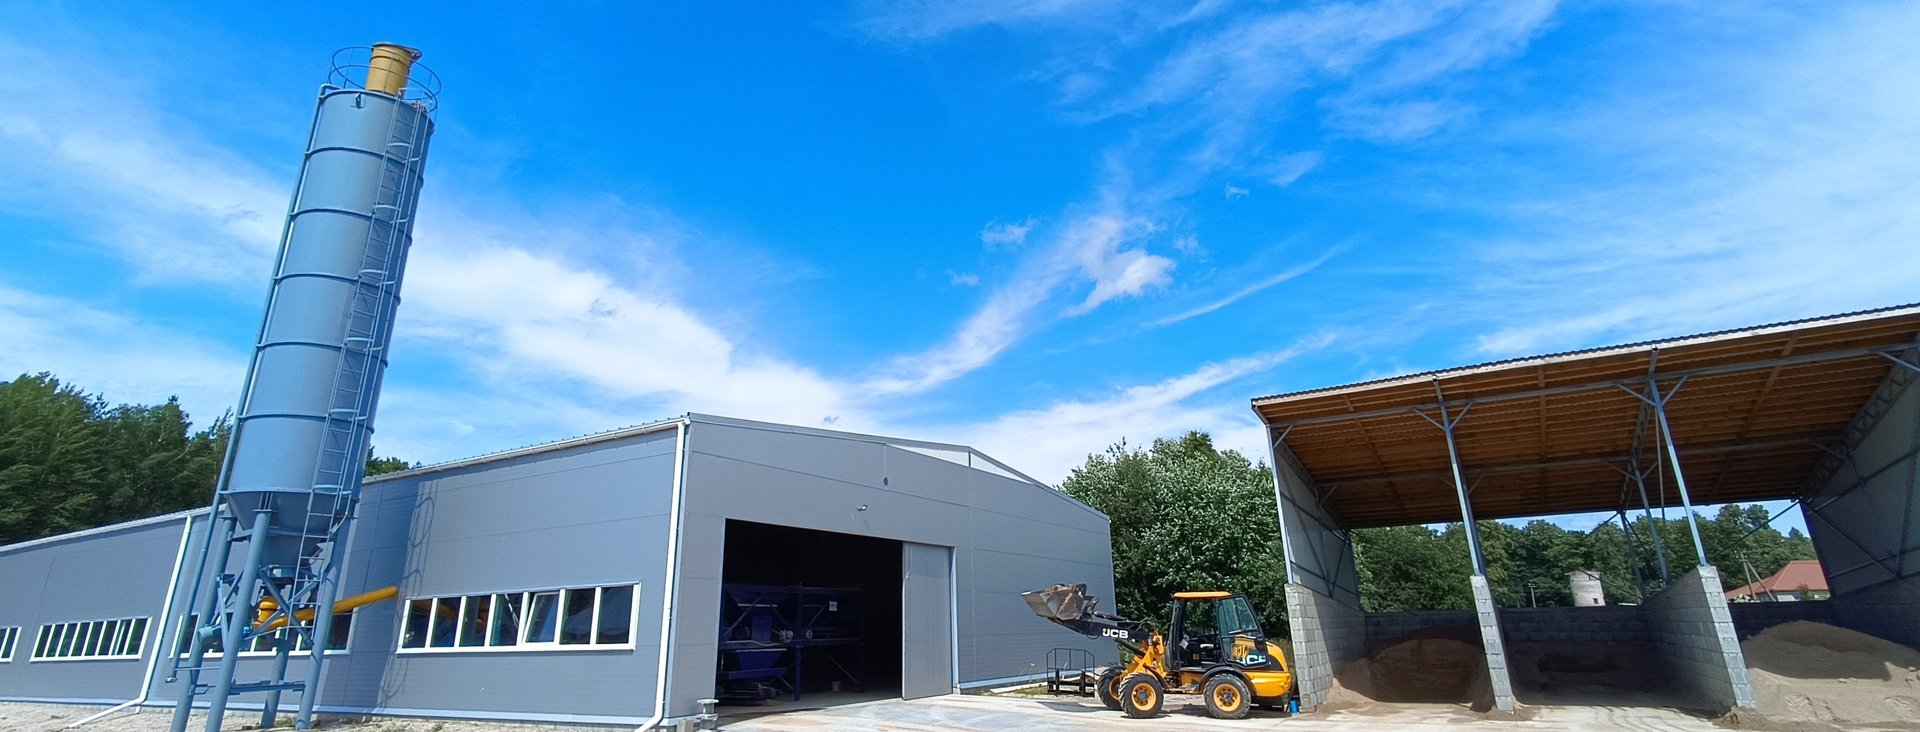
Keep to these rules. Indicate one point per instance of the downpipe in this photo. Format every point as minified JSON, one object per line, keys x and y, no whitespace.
{"x":667,"y":586}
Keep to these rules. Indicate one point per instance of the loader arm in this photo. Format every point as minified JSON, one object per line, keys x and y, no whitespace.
{"x":1070,"y":607}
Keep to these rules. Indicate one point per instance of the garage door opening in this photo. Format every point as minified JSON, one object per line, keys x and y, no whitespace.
{"x":808,"y":618}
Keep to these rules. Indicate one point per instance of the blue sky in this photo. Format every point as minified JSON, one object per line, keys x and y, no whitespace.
{"x":1037,"y":228}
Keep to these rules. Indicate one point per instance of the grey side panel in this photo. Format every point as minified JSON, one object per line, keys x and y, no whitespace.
{"x":115,"y":574}
{"x":1319,"y":556}
{"x":1865,"y":517}
{"x":927,"y":650}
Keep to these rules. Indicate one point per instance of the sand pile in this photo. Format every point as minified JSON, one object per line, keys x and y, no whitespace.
{"x":1432,"y":670}
{"x":1816,"y":673}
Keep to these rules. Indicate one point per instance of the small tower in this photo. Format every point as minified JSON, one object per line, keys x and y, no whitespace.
{"x":287,"y":490}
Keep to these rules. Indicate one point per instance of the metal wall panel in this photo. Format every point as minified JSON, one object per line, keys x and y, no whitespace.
{"x":1008,"y":536}
{"x":118,"y":573}
{"x":594,"y":515}
{"x":1865,"y":517}
{"x":926,"y":651}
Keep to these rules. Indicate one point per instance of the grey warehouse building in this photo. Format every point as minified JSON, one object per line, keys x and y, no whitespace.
{"x":613,"y":578}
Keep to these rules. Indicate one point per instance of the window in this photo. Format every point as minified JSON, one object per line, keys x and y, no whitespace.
{"x":8,"y":637}
{"x":85,"y":639}
{"x":575,"y":618}
{"x":266,"y":645}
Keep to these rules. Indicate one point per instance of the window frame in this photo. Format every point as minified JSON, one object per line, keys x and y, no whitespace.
{"x":499,"y":601}
{"x":9,"y":642}
{"x":191,"y":620}
{"x":109,"y":639}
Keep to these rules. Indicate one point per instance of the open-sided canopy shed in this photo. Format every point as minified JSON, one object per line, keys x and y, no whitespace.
{"x":1752,"y":413}
{"x":1821,"y":411}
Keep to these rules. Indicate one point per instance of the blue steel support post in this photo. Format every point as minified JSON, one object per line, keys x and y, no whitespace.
{"x":236,"y":618}
{"x":1673,"y":457}
{"x":282,"y":647}
{"x":1646,"y":506}
{"x":219,"y":544}
{"x":1446,"y":424}
{"x":323,"y":622}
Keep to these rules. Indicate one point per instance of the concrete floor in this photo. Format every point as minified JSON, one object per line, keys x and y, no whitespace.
{"x":1067,"y":714}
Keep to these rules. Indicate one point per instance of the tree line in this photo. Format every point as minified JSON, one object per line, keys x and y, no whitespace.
{"x":69,"y":461}
{"x":1188,"y":516}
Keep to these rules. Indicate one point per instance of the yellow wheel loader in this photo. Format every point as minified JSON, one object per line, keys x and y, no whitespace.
{"x":1215,"y":649}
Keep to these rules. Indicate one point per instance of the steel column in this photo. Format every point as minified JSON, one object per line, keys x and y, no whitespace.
{"x":1646,"y":506}
{"x":1446,"y":424}
{"x":1639,"y":582}
{"x":219,"y":545}
{"x":1673,"y":458}
{"x":238,"y":619}
{"x":324,"y":594}
{"x":1279,"y":501}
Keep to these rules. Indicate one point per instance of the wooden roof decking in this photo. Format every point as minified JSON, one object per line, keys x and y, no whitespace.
{"x":1543,"y":435}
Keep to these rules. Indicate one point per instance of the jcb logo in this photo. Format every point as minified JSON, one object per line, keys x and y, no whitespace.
{"x":1114,"y":633}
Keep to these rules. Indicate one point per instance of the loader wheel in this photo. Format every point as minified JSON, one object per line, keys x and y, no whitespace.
{"x":1106,"y":686}
{"x":1141,"y":696}
{"x":1227,"y":697}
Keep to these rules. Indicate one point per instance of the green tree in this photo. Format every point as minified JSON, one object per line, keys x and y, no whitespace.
{"x":1186,"y":516}
{"x":382,"y":465}
{"x":50,"y":458}
{"x":1411,"y":568}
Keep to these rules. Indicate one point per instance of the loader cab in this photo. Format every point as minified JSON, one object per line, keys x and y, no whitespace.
{"x":1211,"y":628}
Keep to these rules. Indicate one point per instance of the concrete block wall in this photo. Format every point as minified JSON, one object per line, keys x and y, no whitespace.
{"x":1326,"y":634}
{"x":1608,"y":624}
{"x":1488,"y":615}
{"x":1749,"y":618}
{"x":1694,"y":630}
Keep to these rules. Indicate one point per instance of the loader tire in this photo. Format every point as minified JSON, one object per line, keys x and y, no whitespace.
{"x":1141,"y":696}
{"x":1106,"y":686}
{"x":1227,"y":697}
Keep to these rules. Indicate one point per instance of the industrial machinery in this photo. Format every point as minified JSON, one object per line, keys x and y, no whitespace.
{"x":291,"y":479}
{"x":1217,"y":650}
{"x":768,"y":633}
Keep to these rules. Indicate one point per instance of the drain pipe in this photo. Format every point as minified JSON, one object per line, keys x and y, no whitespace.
{"x":667,"y":587}
{"x":159,"y":628}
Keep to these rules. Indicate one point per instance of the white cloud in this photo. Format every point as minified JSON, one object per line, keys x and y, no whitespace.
{"x":1091,"y":246}
{"x":1289,"y":168}
{"x":925,"y":19}
{"x":962,"y":279}
{"x":1049,"y":441}
{"x":1233,"y":192}
{"x":1248,"y":291}
{"x":94,"y":151}
{"x":1780,"y":185}
{"x":117,"y":356}
{"x":1007,"y":234}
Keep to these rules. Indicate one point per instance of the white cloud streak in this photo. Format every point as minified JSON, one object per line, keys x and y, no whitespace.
{"x":1050,"y":441}
{"x":1782,"y":188}
{"x":119,"y":357}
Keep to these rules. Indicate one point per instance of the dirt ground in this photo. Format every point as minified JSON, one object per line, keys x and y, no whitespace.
{"x":977,"y":714}
{"x":51,"y":717}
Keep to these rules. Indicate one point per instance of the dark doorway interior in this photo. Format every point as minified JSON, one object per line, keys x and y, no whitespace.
{"x":812,"y":610}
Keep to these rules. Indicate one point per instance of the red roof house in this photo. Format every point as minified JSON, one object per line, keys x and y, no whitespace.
{"x":1786,"y":584}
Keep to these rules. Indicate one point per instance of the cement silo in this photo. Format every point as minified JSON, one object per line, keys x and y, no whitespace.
{"x":1587,"y":590}
{"x":293,"y":468}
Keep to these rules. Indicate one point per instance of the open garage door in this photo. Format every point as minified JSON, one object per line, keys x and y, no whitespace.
{"x":927,"y":645}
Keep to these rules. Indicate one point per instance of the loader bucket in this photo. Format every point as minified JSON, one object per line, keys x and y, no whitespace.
{"x":1062,"y":603}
